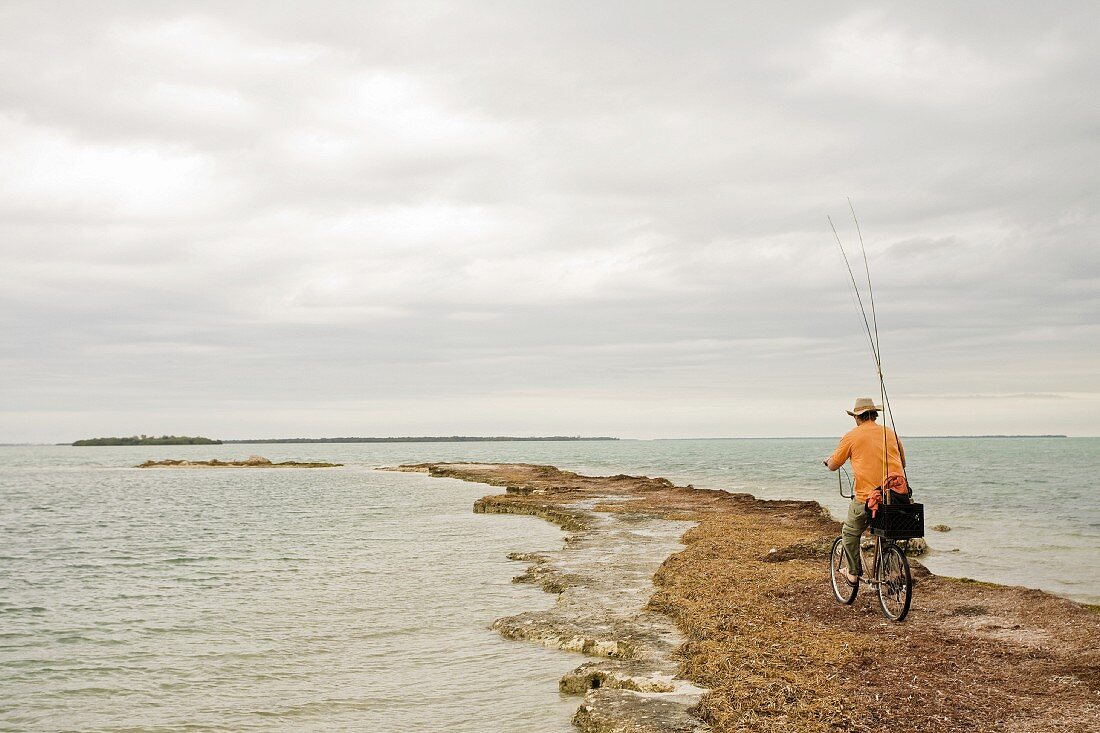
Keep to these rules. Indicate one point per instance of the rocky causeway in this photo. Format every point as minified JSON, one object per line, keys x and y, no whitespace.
{"x":702,"y":610}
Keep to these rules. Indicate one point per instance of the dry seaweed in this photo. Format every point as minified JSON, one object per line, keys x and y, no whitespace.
{"x":778,"y":654}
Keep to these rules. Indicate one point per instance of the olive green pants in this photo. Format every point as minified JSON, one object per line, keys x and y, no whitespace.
{"x":854,"y":526}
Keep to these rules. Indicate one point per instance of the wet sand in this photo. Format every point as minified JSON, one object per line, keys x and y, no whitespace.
{"x":736,"y":628}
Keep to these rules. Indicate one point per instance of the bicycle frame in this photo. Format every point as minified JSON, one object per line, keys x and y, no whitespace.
{"x":871,"y":577}
{"x":876,"y":553}
{"x":894,"y":592}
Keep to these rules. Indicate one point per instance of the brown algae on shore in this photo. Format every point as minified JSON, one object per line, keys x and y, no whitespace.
{"x":760,"y":632}
{"x":250,"y":462}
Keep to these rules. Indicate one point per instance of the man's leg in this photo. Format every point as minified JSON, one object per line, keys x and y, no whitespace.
{"x":854,"y":526}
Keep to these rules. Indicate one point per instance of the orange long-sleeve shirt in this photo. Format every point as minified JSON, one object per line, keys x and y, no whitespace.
{"x":863,"y":445}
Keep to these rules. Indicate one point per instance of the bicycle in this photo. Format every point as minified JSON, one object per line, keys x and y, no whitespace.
{"x":890,"y":574}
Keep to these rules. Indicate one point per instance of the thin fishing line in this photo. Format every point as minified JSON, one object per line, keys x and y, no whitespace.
{"x":870,"y":291}
{"x":878,"y":352}
{"x":857,"y":301}
{"x":855,"y":289}
{"x":878,"y":346}
{"x":894,"y":427}
{"x":874,"y":317}
{"x":855,"y":308}
{"x":859,"y":298}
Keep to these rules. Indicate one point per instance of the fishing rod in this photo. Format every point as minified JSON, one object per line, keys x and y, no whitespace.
{"x":878,"y":347}
{"x":872,"y":334}
{"x":859,"y":298}
{"x":874,"y":319}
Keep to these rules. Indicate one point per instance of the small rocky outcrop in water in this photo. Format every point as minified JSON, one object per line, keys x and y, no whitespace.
{"x":250,"y":462}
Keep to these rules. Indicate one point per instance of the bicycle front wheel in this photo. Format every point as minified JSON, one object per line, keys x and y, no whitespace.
{"x":843,"y":591}
{"x":895,"y":583}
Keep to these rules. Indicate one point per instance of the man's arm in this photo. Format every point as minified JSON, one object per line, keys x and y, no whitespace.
{"x":840,"y":455}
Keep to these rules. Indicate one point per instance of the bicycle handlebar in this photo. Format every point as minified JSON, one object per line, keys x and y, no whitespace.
{"x":840,"y":483}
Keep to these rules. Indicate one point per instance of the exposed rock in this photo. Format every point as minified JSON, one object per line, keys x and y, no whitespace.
{"x":603,"y":578}
{"x":568,"y":519}
{"x":941,"y":528}
{"x":625,"y":711}
{"x":619,"y":675}
{"x":916,"y":547}
{"x":913,"y":548}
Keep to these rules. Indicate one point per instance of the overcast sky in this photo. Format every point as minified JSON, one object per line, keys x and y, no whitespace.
{"x":316,"y":219}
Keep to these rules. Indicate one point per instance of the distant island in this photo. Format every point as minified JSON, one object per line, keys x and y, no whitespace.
{"x":150,"y":440}
{"x":189,"y":440}
{"x":991,"y":436}
{"x":419,"y":439}
{"x":250,"y":462}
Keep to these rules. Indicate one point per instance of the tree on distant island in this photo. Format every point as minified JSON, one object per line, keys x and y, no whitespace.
{"x":149,"y":440}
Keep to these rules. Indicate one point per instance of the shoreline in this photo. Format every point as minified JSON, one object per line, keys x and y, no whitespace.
{"x":751,"y":637}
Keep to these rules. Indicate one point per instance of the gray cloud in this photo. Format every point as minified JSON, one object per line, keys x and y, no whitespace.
{"x":544,"y":217}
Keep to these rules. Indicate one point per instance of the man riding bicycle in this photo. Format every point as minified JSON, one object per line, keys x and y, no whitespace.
{"x":864,"y":445}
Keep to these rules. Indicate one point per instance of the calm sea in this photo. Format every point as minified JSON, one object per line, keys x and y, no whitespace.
{"x":350,"y":599}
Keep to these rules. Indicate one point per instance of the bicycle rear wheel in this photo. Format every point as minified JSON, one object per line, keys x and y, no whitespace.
{"x":895,"y":583}
{"x":843,"y":591}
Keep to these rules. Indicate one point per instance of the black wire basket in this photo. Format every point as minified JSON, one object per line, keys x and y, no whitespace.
{"x":898,"y":521}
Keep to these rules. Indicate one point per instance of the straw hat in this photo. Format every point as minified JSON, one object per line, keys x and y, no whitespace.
{"x":863,"y":404}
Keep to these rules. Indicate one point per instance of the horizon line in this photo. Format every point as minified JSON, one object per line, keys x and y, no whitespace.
{"x":549,"y":439}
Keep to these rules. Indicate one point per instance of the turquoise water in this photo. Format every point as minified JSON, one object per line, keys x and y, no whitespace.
{"x":349,"y":598}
